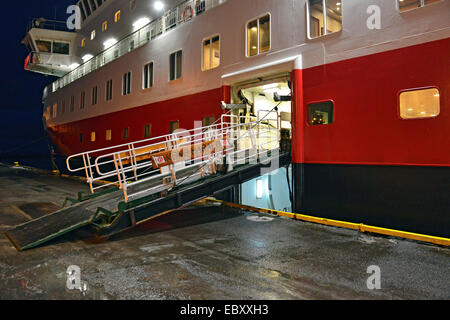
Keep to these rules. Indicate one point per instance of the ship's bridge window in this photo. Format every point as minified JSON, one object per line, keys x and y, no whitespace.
{"x":420,"y":103}
{"x":176,"y":65}
{"x":99,"y":3}
{"x":321,"y":113}
{"x":405,"y":5}
{"x":211,"y":53}
{"x":117,"y":16}
{"x":258,"y":36}
{"x":61,"y":47}
{"x":324,"y":17}
{"x":44,"y":46}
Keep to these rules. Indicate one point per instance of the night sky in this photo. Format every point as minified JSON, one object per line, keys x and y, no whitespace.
{"x":21,"y":107}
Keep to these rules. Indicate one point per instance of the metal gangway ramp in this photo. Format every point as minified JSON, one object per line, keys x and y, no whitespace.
{"x":145,"y":179}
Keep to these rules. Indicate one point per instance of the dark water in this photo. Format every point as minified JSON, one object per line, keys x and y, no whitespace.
{"x":23,"y":139}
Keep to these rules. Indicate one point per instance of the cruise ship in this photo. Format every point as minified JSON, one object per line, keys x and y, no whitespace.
{"x":362,"y":86}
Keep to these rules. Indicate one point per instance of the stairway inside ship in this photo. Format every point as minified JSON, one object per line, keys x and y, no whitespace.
{"x":153,"y":177}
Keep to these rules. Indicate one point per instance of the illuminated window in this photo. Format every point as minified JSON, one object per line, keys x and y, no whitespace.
{"x":108,"y":135}
{"x":117,"y":16}
{"x":93,"y":35}
{"x":147,"y":131}
{"x":211,"y":53}
{"x":147,"y":81}
{"x":126,"y":133}
{"x":174,"y":125}
{"x":44,"y":46}
{"x":92,"y":136}
{"x":258,"y":36}
{"x":83,"y":42}
{"x":405,"y":5}
{"x":324,"y":17}
{"x":104,"y":26}
{"x":176,"y":60}
{"x":321,"y":113}
{"x":420,"y":103}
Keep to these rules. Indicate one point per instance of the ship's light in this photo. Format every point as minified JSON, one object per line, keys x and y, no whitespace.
{"x":159,"y":5}
{"x":140,"y":23}
{"x":87,"y":57}
{"x":109,"y":43}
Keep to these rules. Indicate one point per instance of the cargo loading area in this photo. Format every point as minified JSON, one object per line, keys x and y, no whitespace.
{"x":207,"y":252}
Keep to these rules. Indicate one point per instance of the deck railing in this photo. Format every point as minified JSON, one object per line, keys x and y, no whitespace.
{"x":181,"y":14}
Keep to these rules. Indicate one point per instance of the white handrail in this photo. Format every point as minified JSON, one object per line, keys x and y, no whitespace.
{"x":238,"y":139}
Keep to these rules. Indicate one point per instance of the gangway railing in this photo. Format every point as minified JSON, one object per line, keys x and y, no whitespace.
{"x":159,"y":164}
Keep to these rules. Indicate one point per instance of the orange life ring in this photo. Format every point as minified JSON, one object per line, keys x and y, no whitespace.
{"x":188,"y":13}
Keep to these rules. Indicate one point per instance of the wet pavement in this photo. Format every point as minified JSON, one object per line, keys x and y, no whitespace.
{"x":208,"y":252}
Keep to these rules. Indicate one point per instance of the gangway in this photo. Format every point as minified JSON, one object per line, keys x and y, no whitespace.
{"x":147,"y":178}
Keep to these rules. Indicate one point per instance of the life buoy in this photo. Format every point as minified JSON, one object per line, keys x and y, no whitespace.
{"x":188,"y":13}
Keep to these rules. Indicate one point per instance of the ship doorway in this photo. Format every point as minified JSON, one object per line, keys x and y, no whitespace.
{"x":269,"y":102}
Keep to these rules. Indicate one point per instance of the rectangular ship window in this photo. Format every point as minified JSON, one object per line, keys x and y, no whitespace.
{"x":82,"y":99}
{"x":208,"y":121}
{"x":92,"y":136}
{"x":324,"y":17}
{"x":174,"y":125}
{"x":406,"y":5}
{"x":108,"y":135}
{"x":420,"y":103}
{"x":126,"y":84}
{"x":72,"y":103}
{"x":44,"y":46}
{"x":94,"y":95}
{"x":126,"y":133}
{"x":109,"y":88}
{"x":321,"y":113}
{"x":147,"y":76}
{"x":211,"y":53}
{"x":147,"y":131}
{"x":61,"y":47}
{"x":258,"y":36}
{"x":176,"y":59}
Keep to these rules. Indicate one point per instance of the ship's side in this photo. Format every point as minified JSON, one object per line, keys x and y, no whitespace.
{"x":370,"y":163}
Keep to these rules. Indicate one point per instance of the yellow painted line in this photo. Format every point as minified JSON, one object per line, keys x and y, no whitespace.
{"x":343,"y":224}
{"x":20,"y":211}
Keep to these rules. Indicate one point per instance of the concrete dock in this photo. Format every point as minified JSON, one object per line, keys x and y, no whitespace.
{"x":207,"y":252}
